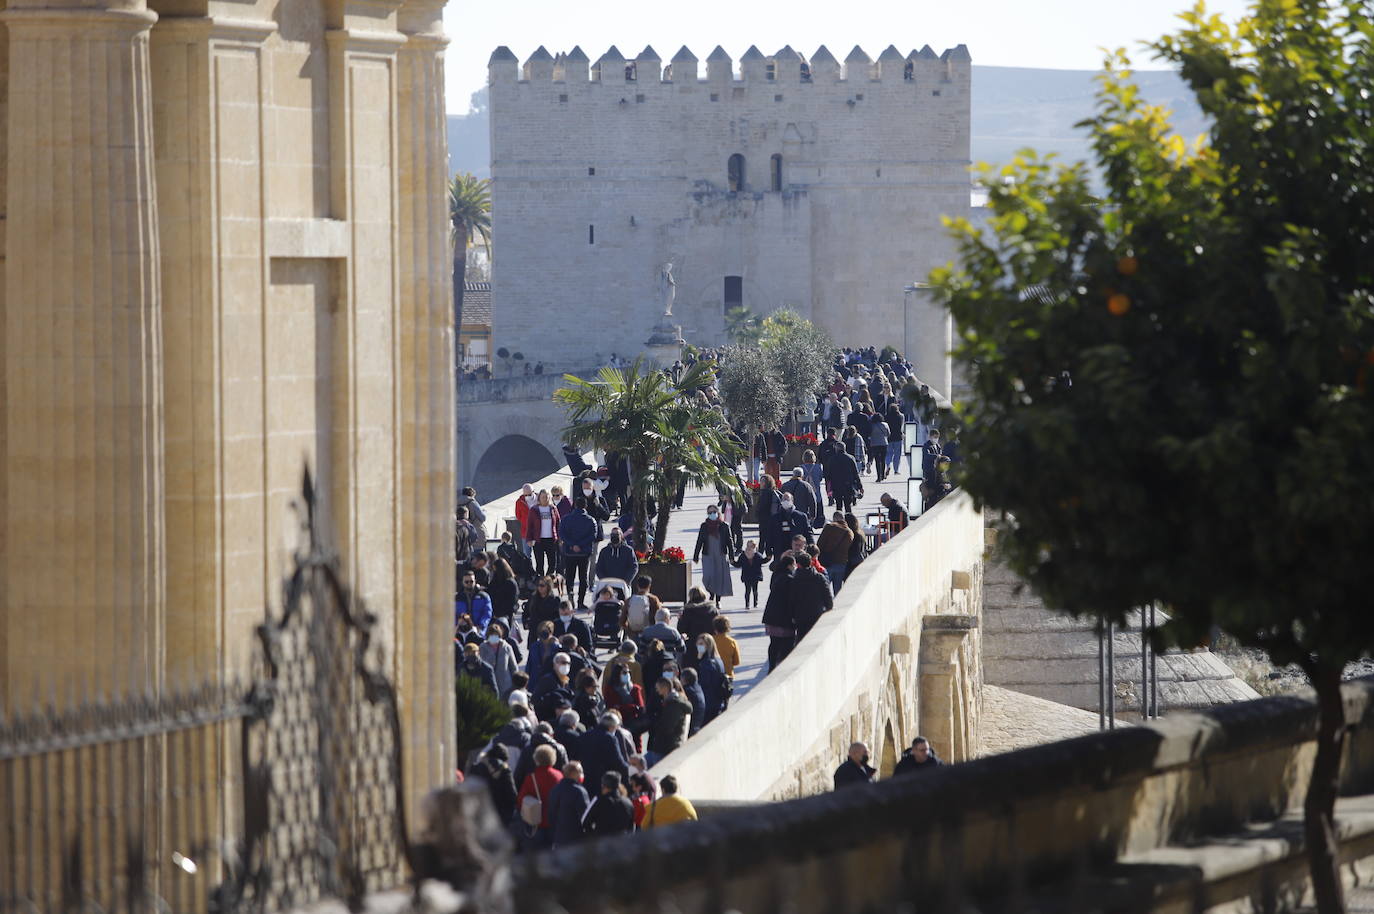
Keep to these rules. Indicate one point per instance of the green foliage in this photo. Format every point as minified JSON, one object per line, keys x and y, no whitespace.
{"x":480,"y":713}
{"x":667,"y":435}
{"x":1216,"y":445}
{"x":751,"y":391}
{"x":742,"y":325}
{"x":802,"y":355}
{"x":469,"y":209}
{"x":1171,"y":391}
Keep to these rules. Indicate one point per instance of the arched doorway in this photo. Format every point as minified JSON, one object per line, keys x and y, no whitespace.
{"x":509,"y":463}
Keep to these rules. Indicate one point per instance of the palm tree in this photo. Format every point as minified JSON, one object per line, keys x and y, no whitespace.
{"x":742,"y":326}
{"x":469,"y":213}
{"x":639,"y":413}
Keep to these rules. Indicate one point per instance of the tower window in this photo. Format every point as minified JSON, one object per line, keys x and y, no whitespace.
{"x":775,"y":171}
{"x":735,"y":173}
{"x":591,"y":234}
{"x":591,"y":170}
{"x":734,"y":292}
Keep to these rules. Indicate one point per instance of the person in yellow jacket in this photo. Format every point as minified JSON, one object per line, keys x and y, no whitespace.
{"x":670,"y":808}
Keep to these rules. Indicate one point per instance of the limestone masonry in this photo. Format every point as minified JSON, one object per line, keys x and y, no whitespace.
{"x":224,"y":257}
{"x":804,"y":183}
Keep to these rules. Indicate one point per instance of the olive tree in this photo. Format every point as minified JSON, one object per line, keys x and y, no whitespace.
{"x":802,"y":355}
{"x":1171,"y":386}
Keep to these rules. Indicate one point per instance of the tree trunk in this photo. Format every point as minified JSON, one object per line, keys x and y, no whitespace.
{"x":665,"y":510}
{"x":460,"y":272}
{"x":1319,"y":809}
{"x":641,"y":537}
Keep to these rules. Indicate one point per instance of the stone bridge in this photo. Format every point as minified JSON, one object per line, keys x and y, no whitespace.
{"x":508,"y":432}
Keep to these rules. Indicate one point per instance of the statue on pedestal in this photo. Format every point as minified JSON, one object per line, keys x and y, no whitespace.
{"x":667,"y":288}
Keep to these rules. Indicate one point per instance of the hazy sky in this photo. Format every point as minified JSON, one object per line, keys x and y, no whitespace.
{"x":1062,"y":34}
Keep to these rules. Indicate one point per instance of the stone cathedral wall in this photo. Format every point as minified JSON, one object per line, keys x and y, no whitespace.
{"x":226,"y":259}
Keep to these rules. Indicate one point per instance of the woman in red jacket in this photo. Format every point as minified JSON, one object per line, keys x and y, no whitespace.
{"x":541,"y":528}
{"x":538,"y":784}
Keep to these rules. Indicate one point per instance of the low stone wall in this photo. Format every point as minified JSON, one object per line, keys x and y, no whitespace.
{"x":1022,"y":825}
{"x":897,"y":656}
{"x":499,"y":509}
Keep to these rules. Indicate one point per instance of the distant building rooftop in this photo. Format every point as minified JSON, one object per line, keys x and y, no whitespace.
{"x":477,"y":303}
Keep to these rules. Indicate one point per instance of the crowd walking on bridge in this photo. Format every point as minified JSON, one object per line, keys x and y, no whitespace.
{"x":562,"y":623}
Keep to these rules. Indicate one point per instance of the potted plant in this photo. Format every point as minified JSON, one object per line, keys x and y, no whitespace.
{"x":751,"y":490}
{"x":796,"y":446}
{"x":670,"y":572}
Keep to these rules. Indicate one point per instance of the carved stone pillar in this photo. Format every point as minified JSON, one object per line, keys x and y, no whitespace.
{"x":83,"y":563}
{"x":424,"y":601}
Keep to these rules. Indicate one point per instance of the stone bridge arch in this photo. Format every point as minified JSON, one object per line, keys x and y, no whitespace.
{"x":518,"y":440}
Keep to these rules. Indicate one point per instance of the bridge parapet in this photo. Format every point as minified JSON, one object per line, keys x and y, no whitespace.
{"x":501,"y":390}
{"x":871,"y":670}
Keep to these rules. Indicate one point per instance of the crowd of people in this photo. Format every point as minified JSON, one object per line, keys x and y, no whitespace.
{"x":598,"y":694}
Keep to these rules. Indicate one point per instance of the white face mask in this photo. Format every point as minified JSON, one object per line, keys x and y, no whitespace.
{"x":562,"y":668}
{"x":787,"y":502}
{"x":713,"y":514}
{"x":493,"y":639}
{"x":588,"y":490}
{"x":601,"y":484}
{"x":565,"y":616}
{"x":669,"y":675}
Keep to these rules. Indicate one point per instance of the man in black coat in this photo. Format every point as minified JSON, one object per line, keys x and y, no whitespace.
{"x":778,"y":620}
{"x":855,"y":769}
{"x":600,"y":751}
{"x":568,"y":624}
{"x":568,"y":803}
{"x":811,"y":596}
{"x":803,"y":496}
{"x":611,"y":813}
{"x":789,"y":523}
{"x":920,"y":757}
{"x":846,"y":484}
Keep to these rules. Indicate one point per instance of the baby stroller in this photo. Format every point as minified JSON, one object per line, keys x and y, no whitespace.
{"x":606,"y":631}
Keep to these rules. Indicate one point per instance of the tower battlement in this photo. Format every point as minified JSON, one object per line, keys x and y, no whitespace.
{"x":785,"y":67}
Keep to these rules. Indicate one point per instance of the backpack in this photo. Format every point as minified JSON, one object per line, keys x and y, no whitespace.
{"x":638,"y":613}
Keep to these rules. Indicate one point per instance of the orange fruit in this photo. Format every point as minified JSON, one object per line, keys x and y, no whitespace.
{"x":1119,"y":303}
{"x":1127,"y":266}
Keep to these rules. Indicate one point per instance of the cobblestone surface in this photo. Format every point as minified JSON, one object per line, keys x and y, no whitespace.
{"x":1013,"y":720}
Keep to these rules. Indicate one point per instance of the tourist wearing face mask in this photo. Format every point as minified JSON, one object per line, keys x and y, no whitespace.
{"x":617,"y":559}
{"x":541,"y":529}
{"x":671,"y":723}
{"x":586,"y":486}
{"x":522,"y":513}
{"x":715,"y":549}
{"x":790,"y":522}
{"x":569,"y":624}
{"x":697,"y":618}
{"x":855,"y":769}
{"x":554,"y":689}
{"x":499,"y":655}
{"x":623,"y":695}
{"x":471,"y":666}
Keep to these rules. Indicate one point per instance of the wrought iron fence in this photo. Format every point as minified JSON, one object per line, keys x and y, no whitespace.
{"x":115,"y":806}
{"x":220,"y":798}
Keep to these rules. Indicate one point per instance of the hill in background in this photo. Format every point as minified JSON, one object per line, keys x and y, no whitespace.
{"x":1013,"y":107}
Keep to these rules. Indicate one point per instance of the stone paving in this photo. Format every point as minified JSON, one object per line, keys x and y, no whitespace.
{"x":747,"y":626}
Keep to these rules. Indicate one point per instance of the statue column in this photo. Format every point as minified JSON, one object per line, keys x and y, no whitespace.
{"x":425,"y":477}
{"x":83,"y":563}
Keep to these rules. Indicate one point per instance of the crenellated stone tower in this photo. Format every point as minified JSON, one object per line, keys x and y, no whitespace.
{"x":790,"y":182}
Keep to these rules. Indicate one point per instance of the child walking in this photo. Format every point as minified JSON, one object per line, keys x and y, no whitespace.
{"x":750,"y":563}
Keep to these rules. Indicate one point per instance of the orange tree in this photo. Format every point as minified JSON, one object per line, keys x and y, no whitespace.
{"x":1171,"y":385}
